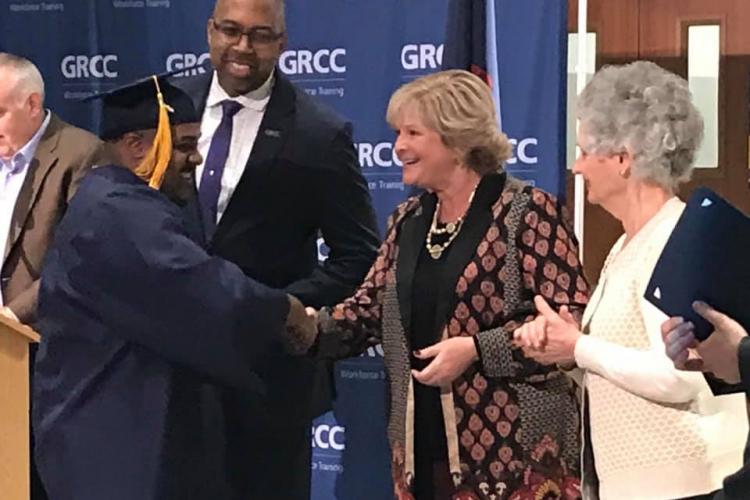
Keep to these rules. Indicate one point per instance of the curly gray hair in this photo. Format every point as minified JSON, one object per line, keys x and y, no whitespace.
{"x":647,"y":111}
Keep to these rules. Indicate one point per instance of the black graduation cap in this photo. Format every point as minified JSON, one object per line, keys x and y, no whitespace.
{"x":136,"y":106}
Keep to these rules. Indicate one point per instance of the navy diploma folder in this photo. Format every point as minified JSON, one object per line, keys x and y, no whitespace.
{"x":707,"y":257}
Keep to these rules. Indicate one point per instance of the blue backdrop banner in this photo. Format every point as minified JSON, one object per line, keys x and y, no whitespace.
{"x":352,"y":54}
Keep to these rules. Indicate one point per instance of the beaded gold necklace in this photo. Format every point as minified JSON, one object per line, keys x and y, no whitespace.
{"x":451,"y":229}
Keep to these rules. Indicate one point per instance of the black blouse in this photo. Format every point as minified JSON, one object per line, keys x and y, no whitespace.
{"x":429,"y":284}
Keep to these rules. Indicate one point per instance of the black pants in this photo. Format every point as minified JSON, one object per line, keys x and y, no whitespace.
{"x":279,"y":465}
{"x":37,"y":488}
{"x":433,"y":483}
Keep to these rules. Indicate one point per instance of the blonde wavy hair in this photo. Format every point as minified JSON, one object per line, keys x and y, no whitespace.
{"x":458,"y":106}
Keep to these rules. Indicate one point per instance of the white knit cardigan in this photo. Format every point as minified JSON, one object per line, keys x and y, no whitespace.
{"x":656,"y":432}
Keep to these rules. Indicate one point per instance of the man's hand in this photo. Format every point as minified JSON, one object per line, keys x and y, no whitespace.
{"x":451,"y":358}
{"x":8,"y":313}
{"x":301,"y":327}
{"x":718,"y":354}
{"x":680,"y":344}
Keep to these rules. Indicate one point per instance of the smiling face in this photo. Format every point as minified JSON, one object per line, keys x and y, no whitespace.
{"x":178,"y":184}
{"x":179,"y":179}
{"x":241,"y":65}
{"x":427,"y":162}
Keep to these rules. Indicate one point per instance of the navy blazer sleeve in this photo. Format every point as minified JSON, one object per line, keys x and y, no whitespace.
{"x":347,"y":222}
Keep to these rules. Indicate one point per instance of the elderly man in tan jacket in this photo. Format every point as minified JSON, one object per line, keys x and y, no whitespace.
{"x":42,"y":160}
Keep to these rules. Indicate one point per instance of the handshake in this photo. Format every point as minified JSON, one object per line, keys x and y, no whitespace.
{"x":301,"y":329}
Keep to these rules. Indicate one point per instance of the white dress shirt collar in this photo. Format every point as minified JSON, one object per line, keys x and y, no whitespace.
{"x":255,"y":99}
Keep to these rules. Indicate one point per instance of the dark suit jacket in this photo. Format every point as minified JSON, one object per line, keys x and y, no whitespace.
{"x":302,"y":179}
{"x":64,"y":155}
{"x":737,"y":486}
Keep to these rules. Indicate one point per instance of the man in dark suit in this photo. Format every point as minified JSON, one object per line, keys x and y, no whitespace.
{"x":42,"y":160}
{"x":279,"y":169}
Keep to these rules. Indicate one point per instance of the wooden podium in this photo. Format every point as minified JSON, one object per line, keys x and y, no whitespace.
{"x":14,"y":408}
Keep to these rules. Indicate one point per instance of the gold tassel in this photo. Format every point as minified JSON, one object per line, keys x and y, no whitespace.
{"x":154,"y":165}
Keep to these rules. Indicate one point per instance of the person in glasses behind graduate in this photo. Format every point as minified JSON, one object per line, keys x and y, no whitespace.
{"x":141,"y":329}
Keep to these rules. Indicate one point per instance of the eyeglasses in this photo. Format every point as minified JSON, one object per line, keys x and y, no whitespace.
{"x":258,"y":36}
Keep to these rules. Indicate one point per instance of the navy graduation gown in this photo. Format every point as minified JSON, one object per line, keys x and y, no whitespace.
{"x":141,"y":331}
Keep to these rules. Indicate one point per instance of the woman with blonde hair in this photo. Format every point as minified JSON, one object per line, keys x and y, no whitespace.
{"x":470,"y":417}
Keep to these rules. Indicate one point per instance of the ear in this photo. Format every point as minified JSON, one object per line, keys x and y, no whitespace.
{"x":135,"y":145}
{"x":626,"y":162}
{"x":209,"y":29}
{"x":625,"y":158}
{"x":459,"y":157}
{"x":283,"y":42}
{"x":35,"y":104}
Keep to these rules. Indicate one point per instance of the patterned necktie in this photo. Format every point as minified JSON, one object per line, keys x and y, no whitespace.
{"x":213,"y":169}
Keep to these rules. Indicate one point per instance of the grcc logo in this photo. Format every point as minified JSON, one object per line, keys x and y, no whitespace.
{"x":187,"y":60}
{"x":328,"y":437}
{"x":99,"y":66}
{"x":375,"y":351}
{"x":383,"y":154}
{"x":523,"y":151}
{"x":422,"y":56}
{"x":291,"y":62}
{"x":306,"y":62}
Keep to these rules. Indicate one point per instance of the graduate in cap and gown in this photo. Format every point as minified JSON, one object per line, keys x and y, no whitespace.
{"x":141,"y":329}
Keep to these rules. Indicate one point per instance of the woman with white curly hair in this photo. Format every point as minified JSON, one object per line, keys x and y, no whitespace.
{"x":650,"y":431}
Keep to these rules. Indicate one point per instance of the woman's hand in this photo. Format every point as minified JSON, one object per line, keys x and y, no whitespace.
{"x":451,"y":358}
{"x":551,"y":337}
{"x":532,"y":334}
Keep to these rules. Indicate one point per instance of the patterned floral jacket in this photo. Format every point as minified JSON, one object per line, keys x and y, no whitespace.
{"x":511,"y":424}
